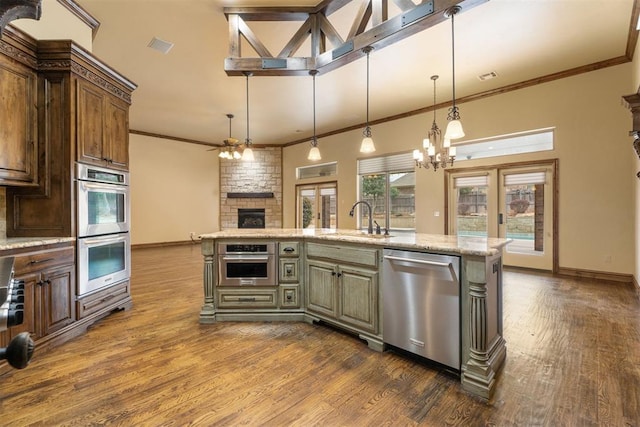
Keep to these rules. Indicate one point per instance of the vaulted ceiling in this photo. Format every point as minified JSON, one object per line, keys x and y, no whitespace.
{"x":186,"y":93}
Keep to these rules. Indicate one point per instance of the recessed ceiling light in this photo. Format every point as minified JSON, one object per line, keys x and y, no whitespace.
{"x":160,"y":45}
{"x":488,"y":76}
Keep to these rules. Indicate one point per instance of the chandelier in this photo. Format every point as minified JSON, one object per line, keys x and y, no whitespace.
{"x":435,"y":152}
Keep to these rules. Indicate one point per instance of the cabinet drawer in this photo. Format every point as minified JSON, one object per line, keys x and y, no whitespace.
{"x":102,"y":299}
{"x":232,"y":298}
{"x":38,"y":261}
{"x":289,"y":270}
{"x":289,"y":249}
{"x":344,"y":254}
{"x":290,"y":296}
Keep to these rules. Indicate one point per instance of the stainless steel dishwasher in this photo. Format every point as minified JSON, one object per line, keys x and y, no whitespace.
{"x":421,"y":304}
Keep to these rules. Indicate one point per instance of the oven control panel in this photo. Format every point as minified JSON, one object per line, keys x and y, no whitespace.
{"x":246,"y":248}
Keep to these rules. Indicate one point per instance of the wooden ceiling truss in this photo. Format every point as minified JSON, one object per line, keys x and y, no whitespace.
{"x":328,"y":49}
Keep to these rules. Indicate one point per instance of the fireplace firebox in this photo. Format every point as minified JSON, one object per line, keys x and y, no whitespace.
{"x":251,"y":218}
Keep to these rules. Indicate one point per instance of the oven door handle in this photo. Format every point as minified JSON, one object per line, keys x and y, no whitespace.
{"x":103,"y":239}
{"x":245,"y":258}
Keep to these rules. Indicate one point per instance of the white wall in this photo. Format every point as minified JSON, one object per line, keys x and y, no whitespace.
{"x":596,"y":202}
{"x":57,"y":23}
{"x":174,"y":190}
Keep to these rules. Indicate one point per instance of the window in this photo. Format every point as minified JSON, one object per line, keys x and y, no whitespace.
{"x":525,"y":142}
{"x":317,"y":171}
{"x":388,"y":184}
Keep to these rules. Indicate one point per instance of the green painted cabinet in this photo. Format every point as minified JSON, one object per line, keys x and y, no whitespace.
{"x":343,"y":285}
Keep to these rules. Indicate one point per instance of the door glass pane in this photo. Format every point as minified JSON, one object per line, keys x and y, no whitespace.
{"x":525,"y":217}
{"x":308,"y":206}
{"x":471,"y":215}
{"x":373,"y":190}
{"x":402,"y":201}
{"x":327,"y":208}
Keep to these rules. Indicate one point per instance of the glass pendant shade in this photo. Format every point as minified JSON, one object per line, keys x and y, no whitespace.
{"x":247,"y":155}
{"x":367,"y":145}
{"x":314,"y":154}
{"x":454,"y":130}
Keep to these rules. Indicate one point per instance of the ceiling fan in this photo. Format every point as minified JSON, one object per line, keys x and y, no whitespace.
{"x":230,"y":148}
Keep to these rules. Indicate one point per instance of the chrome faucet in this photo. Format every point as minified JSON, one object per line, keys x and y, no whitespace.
{"x":370,"y":228}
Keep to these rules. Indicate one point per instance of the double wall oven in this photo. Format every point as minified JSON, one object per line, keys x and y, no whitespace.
{"x":103,"y":216}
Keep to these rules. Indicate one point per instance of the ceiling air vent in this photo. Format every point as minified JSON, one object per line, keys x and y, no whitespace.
{"x":160,"y":45}
{"x":488,"y":76}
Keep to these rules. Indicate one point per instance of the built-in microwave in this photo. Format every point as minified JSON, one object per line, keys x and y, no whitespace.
{"x":247,"y":264}
{"x":102,"y":200}
{"x":103,"y":261}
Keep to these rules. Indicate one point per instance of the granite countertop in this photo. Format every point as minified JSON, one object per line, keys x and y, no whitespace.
{"x":28,"y":242}
{"x":480,"y":246}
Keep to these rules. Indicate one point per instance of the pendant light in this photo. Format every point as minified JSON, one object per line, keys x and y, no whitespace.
{"x":454,"y":128}
{"x":435,"y":152}
{"x":314,"y":152}
{"x":247,"y":153}
{"x":367,"y":145}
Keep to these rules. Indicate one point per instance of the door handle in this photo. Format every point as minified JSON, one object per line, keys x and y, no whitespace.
{"x":500,"y":219}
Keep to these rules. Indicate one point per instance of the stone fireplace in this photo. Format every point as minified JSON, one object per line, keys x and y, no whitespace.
{"x":253,"y":185}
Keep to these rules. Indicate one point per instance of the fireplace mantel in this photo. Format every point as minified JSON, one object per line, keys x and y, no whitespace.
{"x":262,"y":195}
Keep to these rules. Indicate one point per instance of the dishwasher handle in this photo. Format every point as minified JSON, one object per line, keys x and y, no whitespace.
{"x":446,"y":265}
{"x":418,"y":261}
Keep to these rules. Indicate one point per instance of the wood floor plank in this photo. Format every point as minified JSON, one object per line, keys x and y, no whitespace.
{"x":573,"y":347}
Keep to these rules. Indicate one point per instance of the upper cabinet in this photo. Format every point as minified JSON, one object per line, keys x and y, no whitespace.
{"x":82,"y":115}
{"x":18,"y":123}
{"x":102,"y":128}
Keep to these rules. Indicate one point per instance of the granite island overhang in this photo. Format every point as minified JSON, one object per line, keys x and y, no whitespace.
{"x":295,"y":291}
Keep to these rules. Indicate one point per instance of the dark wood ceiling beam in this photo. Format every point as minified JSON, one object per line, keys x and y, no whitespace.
{"x":271,"y":13}
{"x":383,"y":32}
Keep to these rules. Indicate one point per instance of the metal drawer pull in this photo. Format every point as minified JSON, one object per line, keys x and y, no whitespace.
{"x":246,"y":299}
{"x":288,"y":249}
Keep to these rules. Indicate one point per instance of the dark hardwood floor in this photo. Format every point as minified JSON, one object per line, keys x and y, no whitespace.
{"x":573,"y":359}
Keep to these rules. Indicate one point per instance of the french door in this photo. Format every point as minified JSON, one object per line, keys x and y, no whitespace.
{"x":316,"y":205}
{"x":514,"y":201}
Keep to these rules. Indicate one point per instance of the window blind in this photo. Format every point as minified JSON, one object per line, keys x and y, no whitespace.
{"x":472,"y":181}
{"x":393,"y":163}
{"x":525,"y":178}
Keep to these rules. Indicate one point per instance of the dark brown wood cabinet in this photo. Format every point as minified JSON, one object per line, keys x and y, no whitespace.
{"x":102,"y":128}
{"x":49,"y":291}
{"x":18,"y":131}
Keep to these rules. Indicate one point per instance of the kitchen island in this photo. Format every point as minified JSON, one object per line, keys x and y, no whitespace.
{"x":334,"y":276}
